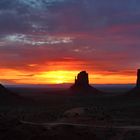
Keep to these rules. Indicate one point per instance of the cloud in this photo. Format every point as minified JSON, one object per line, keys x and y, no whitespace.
{"x":36,"y":40}
{"x":66,"y":15}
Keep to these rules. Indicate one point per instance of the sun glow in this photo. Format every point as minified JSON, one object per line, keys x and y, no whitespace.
{"x":58,"y":77}
{"x":61,"y":76}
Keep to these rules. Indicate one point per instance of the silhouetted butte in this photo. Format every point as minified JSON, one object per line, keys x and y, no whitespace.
{"x":136,"y":89}
{"x":82,"y":85}
{"x":138,"y":79}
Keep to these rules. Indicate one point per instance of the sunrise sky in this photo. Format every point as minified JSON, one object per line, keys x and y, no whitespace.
{"x":50,"y":41}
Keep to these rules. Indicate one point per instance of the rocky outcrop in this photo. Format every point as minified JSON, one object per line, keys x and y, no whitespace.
{"x":81,"y":80}
{"x":82,"y":85}
{"x":136,"y":90}
{"x":7,"y":97}
{"x":3,"y":90}
{"x":138,"y":79}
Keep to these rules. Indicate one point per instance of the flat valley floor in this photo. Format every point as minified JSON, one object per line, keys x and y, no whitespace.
{"x":45,"y":114}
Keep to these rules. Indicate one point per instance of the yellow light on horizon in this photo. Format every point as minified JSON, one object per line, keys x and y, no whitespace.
{"x":61,"y":76}
{"x":58,"y":77}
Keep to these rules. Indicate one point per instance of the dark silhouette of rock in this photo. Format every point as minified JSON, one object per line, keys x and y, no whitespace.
{"x":82,"y":84}
{"x":138,"y":79}
{"x":8,"y":97}
{"x":82,"y":80}
{"x":3,"y":90}
{"x":136,"y":89}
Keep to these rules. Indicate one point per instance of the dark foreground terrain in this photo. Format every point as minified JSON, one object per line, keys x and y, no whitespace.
{"x":44,"y":114}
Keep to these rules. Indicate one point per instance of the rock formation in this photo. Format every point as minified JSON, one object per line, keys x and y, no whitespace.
{"x":136,"y":89}
{"x":7,"y":97}
{"x":82,"y":80}
{"x":3,"y":90}
{"x":138,"y":79}
{"x":82,"y":84}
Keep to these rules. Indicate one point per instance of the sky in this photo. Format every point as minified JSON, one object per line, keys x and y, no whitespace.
{"x":50,"y":41}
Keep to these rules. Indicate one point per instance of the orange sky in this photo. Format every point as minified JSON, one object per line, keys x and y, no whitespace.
{"x":58,"y":72}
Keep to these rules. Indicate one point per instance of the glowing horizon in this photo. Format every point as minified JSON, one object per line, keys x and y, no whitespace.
{"x":63,"y":77}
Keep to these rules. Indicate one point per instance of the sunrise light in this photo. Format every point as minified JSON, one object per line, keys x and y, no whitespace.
{"x":58,"y":77}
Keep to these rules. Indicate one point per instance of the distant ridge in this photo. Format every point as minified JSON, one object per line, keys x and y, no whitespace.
{"x":82,"y":85}
{"x":7,"y":97}
{"x":3,"y":90}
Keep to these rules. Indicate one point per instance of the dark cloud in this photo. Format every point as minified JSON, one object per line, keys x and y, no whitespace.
{"x":66,"y":15}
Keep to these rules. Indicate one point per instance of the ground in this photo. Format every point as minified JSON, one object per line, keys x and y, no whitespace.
{"x":40,"y":116}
